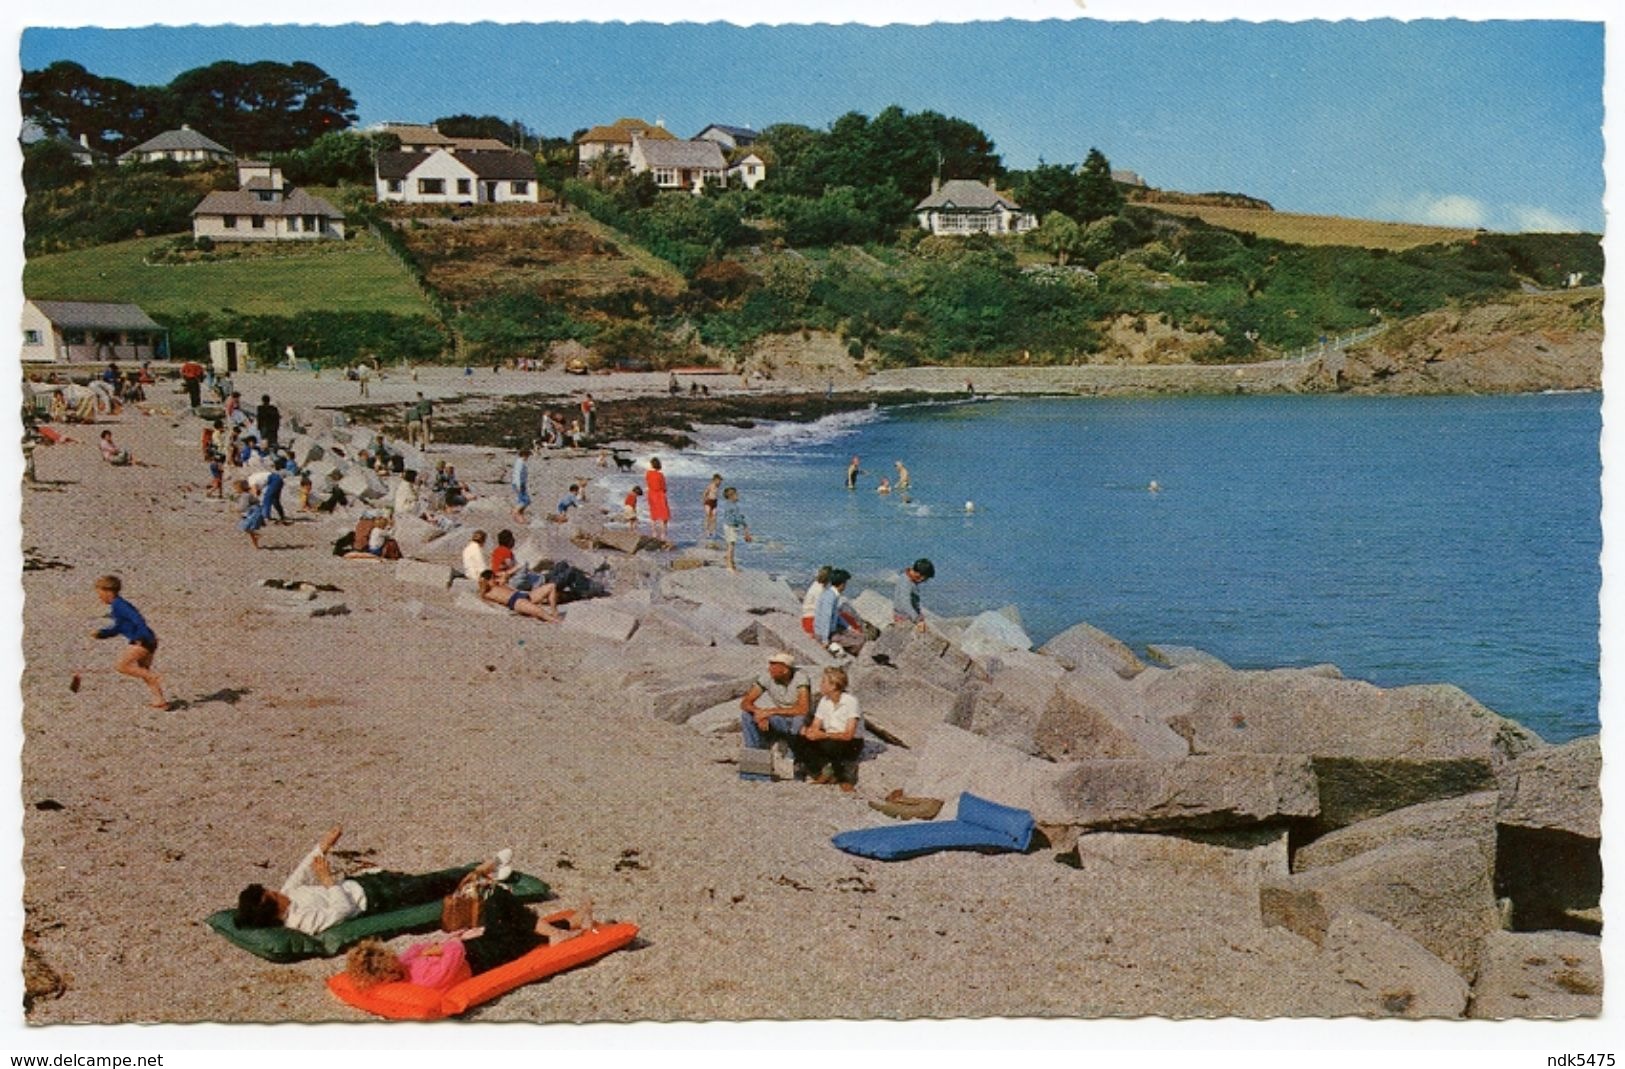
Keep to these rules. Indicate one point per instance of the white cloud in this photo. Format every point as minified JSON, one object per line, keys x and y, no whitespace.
{"x":1525,"y":218}
{"x":1451,"y":209}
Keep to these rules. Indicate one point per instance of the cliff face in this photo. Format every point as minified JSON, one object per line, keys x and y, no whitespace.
{"x":1542,"y":341}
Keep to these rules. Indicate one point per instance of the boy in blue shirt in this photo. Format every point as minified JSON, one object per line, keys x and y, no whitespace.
{"x":127,"y":622}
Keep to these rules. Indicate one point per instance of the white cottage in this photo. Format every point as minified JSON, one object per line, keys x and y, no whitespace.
{"x":616,"y":140}
{"x":65,"y":331}
{"x":962,"y":206}
{"x":679,"y":164}
{"x":265,"y":208}
{"x":185,"y":145}
{"x":443,"y":177}
{"x":750,"y":169}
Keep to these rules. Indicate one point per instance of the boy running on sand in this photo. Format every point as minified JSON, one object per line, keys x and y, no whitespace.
{"x":136,"y":660}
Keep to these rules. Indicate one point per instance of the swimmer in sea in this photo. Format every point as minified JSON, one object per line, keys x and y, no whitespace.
{"x":1155,"y":487}
{"x":852,"y":473}
{"x":902,"y":477}
{"x":884,"y":487}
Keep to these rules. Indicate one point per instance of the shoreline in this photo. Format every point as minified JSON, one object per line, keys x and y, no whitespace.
{"x":430,"y":725}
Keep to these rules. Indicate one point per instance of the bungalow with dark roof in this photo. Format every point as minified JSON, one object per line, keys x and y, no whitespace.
{"x":185,"y":145}
{"x":686,"y":165}
{"x":445,"y":177}
{"x":86,"y":331}
{"x":616,"y":140}
{"x":963,"y":206}
{"x":265,"y":208}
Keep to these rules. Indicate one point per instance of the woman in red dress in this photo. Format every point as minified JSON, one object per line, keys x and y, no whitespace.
{"x":659,"y":507}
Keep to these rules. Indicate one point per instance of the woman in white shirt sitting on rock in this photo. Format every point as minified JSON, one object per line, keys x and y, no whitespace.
{"x":832,"y":742}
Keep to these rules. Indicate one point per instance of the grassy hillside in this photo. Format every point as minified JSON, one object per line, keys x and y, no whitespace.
{"x":351,"y":276}
{"x":1320,"y":229}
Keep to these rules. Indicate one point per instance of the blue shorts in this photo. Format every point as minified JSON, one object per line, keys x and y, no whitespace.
{"x":521,"y":499}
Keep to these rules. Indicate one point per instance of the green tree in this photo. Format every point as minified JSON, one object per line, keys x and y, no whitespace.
{"x":509,"y":131}
{"x":263,"y":106}
{"x":1060,"y":236}
{"x":1098,"y":196}
{"x":1049,"y":187}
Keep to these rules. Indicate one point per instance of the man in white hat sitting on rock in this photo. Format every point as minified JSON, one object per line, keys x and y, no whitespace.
{"x":777,"y":704}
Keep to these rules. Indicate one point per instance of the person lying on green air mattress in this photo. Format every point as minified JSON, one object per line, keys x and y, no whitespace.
{"x":313,"y":900}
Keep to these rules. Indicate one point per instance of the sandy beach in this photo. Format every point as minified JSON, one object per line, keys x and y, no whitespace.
{"x":437,"y":734}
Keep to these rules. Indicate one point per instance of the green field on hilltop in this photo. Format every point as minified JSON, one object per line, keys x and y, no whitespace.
{"x":357,"y":275}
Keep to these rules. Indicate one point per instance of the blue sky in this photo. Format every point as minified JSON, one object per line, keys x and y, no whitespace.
{"x":1493,"y":124}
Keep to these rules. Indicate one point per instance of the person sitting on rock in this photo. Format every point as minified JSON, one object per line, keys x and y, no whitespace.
{"x":834,"y":738}
{"x":777,"y":703}
{"x":313,"y":900}
{"x":831,"y":627}
{"x":508,"y":930}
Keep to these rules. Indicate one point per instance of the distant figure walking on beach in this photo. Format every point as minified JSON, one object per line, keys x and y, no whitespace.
{"x":267,"y":421}
{"x":521,"y":485}
{"x":136,"y":661}
{"x":253,"y":517}
{"x":363,"y":376}
{"x":192,"y":379}
{"x":852,"y":473}
{"x":708,"y":500}
{"x":417,"y":422}
{"x":734,"y":526}
{"x":589,"y":415}
{"x":659,"y":507}
{"x":905,"y":606}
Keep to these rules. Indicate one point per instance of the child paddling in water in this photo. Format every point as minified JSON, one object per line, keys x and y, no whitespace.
{"x":136,"y":661}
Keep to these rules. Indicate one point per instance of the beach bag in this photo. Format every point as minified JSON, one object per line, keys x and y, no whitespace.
{"x":572,"y":583}
{"x":464,"y":907}
{"x":344,"y":544}
{"x":391,"y":550}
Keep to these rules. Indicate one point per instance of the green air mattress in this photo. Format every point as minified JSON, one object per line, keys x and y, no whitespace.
{"x":284,"y":944}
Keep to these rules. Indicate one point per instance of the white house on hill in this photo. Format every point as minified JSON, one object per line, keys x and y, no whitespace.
{"x":963,"y":206}
{"x":264,"y":208}
{"x":444,"y":177}
{"x":87,"y":331}
{"x":679,"y":164}
{"x":185,"y":145}
{"x":616,"y":140}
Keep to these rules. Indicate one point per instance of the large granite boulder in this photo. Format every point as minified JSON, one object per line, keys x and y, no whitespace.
{"x":1092,"y":713}
{"x":744,"y":591}
{"x":1470,"y":817}
{"x":922,"y":653}
{"x":1189,"y":793}
{"x":993,"y":633}
{"x":952,"y":760}
{"x":783,"y":632}
{"x":1549,"y":860}
{"x":1008,"y":706}
{"x":1392,"y":974}
{"x":1438,"y":893}
{"x":873,"y":608}
{"x":1538,"y":974}
{"x":1167,"y":656}
{"x":602,"y":618}
{"x":1375,"y":750}
{"x":900,"y":708}
{"x":1240,"y":867}
{"x":1229,"y":791}
{"x":1084,"y":646}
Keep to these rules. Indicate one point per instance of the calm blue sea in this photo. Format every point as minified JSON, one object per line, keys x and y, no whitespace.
{"x":1406,"y":540}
